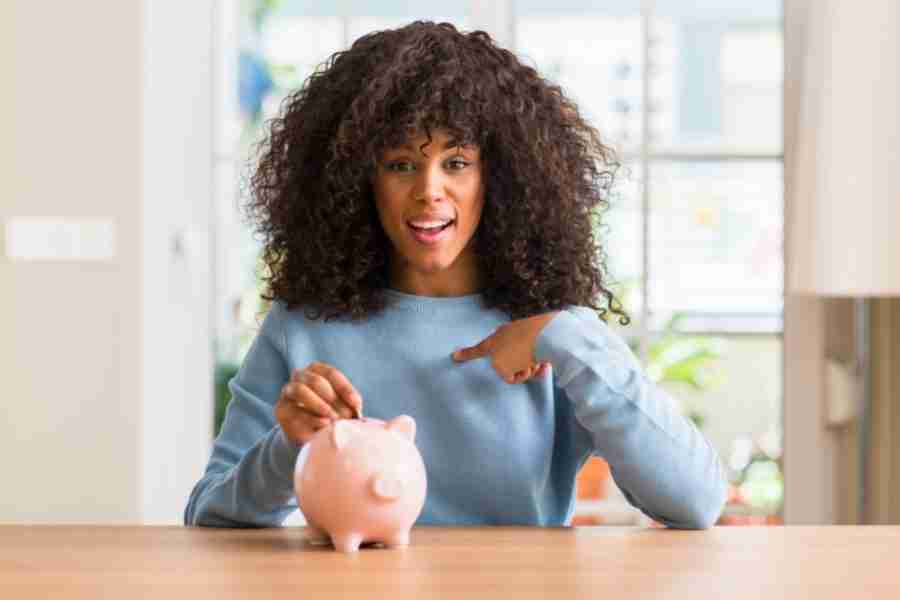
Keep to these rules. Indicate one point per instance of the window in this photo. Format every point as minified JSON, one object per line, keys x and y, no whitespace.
{"x":689,"y":94}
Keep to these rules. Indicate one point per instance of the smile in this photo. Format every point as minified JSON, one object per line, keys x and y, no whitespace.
{"x":431,"y":235}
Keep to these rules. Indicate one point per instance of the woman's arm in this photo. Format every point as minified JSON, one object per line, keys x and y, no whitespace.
{"x":658,"y":458}
{"x":249,"y":479}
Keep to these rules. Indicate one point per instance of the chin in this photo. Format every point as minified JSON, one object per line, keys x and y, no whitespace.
{"x":432,"y":266}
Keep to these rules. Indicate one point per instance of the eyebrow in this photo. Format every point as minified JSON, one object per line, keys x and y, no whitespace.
{"x":450,"y":144}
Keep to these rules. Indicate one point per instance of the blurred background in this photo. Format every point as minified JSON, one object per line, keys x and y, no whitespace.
{"x":130,"y":281}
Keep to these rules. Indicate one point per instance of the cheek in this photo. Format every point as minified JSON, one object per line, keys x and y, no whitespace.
{"x":472,"y":215}
{"x":388,"y":211}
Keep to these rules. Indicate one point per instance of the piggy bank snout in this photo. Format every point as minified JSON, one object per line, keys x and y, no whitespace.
{"x":387,"y":487}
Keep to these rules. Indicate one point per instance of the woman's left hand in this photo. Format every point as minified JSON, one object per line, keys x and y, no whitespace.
{"x":511,"y":349}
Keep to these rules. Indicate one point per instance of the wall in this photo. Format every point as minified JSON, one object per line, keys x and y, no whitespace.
{"x":70,"y":339}
{"x":106,"y":413}
{"x":810,"y":451}
{"x":821,"y":462}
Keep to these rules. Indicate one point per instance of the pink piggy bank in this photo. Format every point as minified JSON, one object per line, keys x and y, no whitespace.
{"x":361,"y":480}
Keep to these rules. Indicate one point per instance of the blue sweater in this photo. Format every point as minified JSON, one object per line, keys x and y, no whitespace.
{"x":495,"y":453}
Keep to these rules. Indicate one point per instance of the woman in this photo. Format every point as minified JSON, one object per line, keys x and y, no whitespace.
{"x":426,"y":204}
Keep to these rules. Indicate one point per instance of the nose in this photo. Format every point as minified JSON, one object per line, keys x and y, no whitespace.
{"x":430,"y":186}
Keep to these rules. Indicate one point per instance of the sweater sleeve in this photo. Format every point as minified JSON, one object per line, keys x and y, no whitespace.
{"x":249,"y":478}
{"x":664,"y":466}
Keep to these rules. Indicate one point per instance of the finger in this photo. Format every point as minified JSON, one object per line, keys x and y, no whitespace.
{"x":323,"y":388}
{"x":543,"y":369}
{"x":345,"y":391}
{"x":479,"y":350}
{"x":306,"y":399}
{"x":525,"y":375}
{"x":298,"y":425}
{"x":314,"y":423}
{"x":507,"y":376}
{"x":304,"y":428}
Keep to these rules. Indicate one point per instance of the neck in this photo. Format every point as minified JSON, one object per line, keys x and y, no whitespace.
{"x":461,"y":279}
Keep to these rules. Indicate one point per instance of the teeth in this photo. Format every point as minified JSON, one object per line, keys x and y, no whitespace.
{"x":428,"y":224}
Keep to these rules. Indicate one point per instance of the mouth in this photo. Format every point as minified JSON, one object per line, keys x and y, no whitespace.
{"x":432,"y":234}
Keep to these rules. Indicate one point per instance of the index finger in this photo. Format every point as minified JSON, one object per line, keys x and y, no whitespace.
{"x":341,"y":385}
{"x":479,"y":350}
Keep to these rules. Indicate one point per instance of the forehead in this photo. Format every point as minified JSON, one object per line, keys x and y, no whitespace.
{"x":442,"y":139}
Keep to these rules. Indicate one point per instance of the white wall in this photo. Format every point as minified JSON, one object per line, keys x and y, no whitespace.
{"x":106,"y":414}
{"x":809,"y":449}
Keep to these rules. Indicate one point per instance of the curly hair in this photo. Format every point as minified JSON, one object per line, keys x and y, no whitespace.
{"x":547,"y":174}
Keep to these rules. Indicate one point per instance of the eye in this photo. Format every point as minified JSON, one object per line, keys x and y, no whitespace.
{"x":400,"y":166}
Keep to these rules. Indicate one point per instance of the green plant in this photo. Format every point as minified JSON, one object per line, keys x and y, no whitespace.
{"x":761,"y":484}
{"x":690,"y":360}
{"x":223,"y":373}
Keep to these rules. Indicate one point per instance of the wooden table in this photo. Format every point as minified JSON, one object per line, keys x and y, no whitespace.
{"x":601,"y":563}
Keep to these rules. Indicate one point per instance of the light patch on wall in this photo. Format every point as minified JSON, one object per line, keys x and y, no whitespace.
{"x":31,"y":239}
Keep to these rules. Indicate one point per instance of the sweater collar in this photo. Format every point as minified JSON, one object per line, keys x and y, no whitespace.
{"x":434,"y":305}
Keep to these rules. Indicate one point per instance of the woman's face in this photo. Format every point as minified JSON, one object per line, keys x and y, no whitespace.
{"x":429,"y":200}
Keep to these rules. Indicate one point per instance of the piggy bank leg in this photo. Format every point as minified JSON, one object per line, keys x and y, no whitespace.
{"x":398,"y":540}
{"x":316,"y":536}
{"x":347,"y":542}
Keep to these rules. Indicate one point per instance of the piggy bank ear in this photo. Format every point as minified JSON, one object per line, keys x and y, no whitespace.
{"x":404,"y":425}
{"x":342,"y":432}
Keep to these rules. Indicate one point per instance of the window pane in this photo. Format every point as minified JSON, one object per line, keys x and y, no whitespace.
{"x":297,"y":37}
{"x":594,"y":54}
{"x":295,"y":44}
{"x":407,"y":11}
{"x":719,"y":86}
{"x":361,"y":25}
{"x":731,"y":387}
{"x":236,"y":260}
{"x":279,"y":50}
{"x":620,"y":237}
{"x":716,"y":231}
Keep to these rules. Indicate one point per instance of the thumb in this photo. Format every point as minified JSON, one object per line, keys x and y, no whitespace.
{"x":480,"y":350}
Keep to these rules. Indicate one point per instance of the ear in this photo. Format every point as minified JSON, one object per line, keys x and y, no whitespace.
{"x":342,"y":432}
{"x":404,"y":425}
